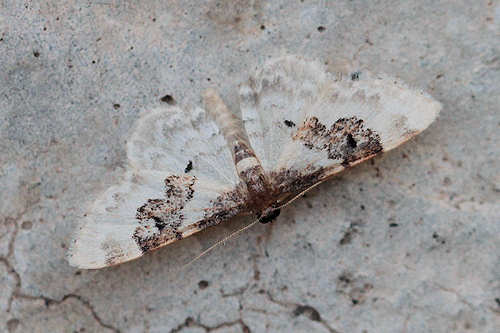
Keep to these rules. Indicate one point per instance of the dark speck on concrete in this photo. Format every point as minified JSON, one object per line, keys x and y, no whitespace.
{"x":168,"y":99}
{"x":203,"y":284}
{"x":309,"y":311}
{"x":189,"y":167}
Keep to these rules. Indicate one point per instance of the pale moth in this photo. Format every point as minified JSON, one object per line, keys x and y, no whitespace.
{"x":191,"y":170}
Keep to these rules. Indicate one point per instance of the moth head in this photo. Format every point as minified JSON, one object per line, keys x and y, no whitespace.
{"x":269,"y":215}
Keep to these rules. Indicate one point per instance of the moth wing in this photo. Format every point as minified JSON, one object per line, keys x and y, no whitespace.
{"x":160,"y":199}
{"x":168,"y":139}
{"x":275,"y":96}
{"x":306,"y":124}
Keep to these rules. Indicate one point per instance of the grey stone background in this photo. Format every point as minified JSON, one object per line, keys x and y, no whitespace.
{"x":408,"y":243}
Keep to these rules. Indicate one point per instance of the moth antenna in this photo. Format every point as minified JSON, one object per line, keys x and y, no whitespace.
{"x":219,"y":242}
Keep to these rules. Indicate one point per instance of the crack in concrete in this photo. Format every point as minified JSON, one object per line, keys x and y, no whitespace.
{"x":13,"y":221}
{"x":190,"y":322}
{"x":238,"y":292}
{"x":255,"y":266}
{"x":299,"y":309}
{"x":50,"y":302}
{"x":10,"y":253}
{"x":456,"y":293}
{"x":12,"y":271}
{"x":263,"y":311}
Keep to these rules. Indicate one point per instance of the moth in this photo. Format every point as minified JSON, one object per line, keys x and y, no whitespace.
{"x":190,"y":170}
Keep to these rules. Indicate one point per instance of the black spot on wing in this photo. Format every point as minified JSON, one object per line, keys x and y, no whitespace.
{"x":351,"y":142}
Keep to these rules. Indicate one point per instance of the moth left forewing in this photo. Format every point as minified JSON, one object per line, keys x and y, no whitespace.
{"x":148,"y":210}
{"x":181,"y":141}
{"x":180,"y":179}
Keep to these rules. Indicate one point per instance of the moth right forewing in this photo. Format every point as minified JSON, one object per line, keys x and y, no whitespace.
{"x":310,"y":124}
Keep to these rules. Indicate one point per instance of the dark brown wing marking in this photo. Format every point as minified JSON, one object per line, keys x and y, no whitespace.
{"x":160,"y":220}
{"x":345,"y":140}
{"x":293,"y":181}
{"x":226,"y":206}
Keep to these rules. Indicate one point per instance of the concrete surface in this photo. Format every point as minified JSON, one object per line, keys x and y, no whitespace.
{"x":408,"y":243}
